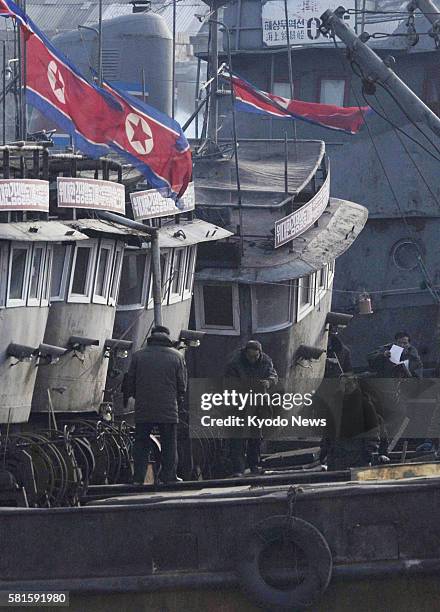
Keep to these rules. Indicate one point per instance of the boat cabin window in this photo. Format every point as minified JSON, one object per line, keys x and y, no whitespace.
{"x":305,"y":296}
{"x":189,"y":271}
{"x":103,"y":272}
{"x":36,"y":275}
{"x":332,"y":91}
{"x":60,"y":270}
{"x":134,"y":277}
{"x":83,"y":268}
{"x":116,"y":278}
{"x":271,"y":306}
{"x":19,"y":264}
{"x":217,"y":308}
{"x":321,"y":282}
{"x":177,"y":277}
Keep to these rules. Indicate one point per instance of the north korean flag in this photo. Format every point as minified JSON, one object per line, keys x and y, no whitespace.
{"x":252,"y":100}
{"x":102,"y":119}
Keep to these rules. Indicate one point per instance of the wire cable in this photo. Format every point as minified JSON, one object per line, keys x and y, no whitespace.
{"x":411,"y":234}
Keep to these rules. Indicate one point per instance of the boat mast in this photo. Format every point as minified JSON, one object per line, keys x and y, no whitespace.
{"x":375,"y":70}
{"x":212,"y":127}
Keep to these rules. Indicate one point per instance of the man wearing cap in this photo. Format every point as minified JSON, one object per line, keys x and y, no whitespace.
{"x":157,"y":379}
{"x":255,"y":371}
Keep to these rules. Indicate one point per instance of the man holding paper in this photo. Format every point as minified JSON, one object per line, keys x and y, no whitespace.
{"x":397,"y":359}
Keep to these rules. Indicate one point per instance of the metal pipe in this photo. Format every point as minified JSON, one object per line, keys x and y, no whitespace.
{"x":376,"y":70}
{"x":156,"y":279}
{"x":114,"y":218}
{"x":173,"y":77}
{"x":212,"y":126}
{"x":289,"y":60}
{"x":24,"y":78}
{"x":143,"y":85}
{"x":196,"y":134}
{"x":100,"y":44}
{"x":4,"y":93}
{"x":234,"y":135}
{"x":195,"y":114}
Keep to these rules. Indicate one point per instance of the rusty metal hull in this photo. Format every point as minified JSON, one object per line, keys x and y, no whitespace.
{"x":77,"y":381}
{"x":175,"y":543}
{"x":23,"y":325}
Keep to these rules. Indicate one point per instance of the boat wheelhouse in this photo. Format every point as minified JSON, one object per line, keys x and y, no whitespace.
{"x":28,"y":246}
{"x":273,"y":279}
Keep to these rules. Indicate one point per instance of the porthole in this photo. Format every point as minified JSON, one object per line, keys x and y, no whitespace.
{"x":405,"y":255}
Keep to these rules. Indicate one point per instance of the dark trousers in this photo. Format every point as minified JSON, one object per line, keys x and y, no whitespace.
{"x":168,"y":442}
{"x":242,"y":448}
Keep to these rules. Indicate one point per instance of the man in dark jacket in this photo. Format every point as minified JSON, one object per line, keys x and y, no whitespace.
{"x":379,"y":360}
{"x":338,"y":356}
{"x":157,"y":379}
{"x":352,"y":431}
{"x":256,"y":372}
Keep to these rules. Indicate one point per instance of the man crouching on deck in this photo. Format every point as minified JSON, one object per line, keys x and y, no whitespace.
{"x":255,"y":370}
{"x":157,"y":379}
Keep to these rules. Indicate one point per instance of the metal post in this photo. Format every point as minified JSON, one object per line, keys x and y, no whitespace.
{"x":376,"y":70}
{"x":286,"y":165}
{"x":100,"y":44}
{"x":143,"y":85}
{"x":24,"y":79}
{"x":234,"y":134}
{"x":19,"y":120}
{"x":4,"y":93}
{"x":289,"y":61}
{"x":196,"y":134}
{"x":173,"y":78}
{"x":212,"y":127}
{"x":156,"y":278}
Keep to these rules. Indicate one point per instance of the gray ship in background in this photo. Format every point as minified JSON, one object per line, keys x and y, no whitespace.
{"x":395,"y":259}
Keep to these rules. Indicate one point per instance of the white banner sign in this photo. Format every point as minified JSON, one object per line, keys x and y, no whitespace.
{"x":304,"y":21}
{"x":24,"y":194}
{"x":91,"y":193}
{"x":302,"y":219}
{"x":151,"y":204}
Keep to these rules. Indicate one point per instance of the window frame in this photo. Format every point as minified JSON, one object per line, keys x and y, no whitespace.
{"x":64,"y":274}
{"x":16,"y":302}
{"x":303,"y":310}
{"x":115,"y":280}
{"x":146,"y":278}
{"x":199,"y":310}
{"x":331,"y":266}
{"x":334,"y":77}
{"x":278,"y":326}
{"x":104,"y":245}
{"x":4,"y":268}
{"x":36,"y":301}
{"x":174,"y":298}
{"x":321,"y":289}
{"x":47,"y":275}
{"x":190,"y":266}
{"x":86,"y":298}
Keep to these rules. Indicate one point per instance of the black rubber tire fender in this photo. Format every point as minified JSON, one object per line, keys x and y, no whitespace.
{"x":306,"y":537}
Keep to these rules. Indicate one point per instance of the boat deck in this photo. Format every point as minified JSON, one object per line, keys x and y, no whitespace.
{"x":262,"y":173}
